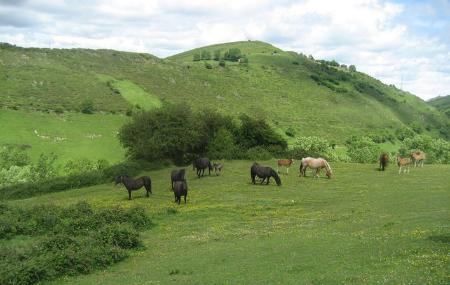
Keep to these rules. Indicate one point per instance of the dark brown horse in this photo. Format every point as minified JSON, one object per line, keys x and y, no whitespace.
{"x":133,"y":185}
{"x":180,"y":189}
{"x":264,"y":172}
{"x":177,"y":175}
{"x":384,"y":159}
{"x":200,"y":164}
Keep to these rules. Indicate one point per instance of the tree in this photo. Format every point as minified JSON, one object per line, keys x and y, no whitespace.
{"x":205,"y":55}
{"x":256,"y":132}
{"x":233,"y":54}
{"x":352,"y":68}
{"x":196,"y":57}
{"x":217,"y":55}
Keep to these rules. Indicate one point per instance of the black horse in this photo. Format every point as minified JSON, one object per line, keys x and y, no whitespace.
{"x":201,"y":164}
{"x":384,"y":159}
{"x":264,"y":173}
{"x":177,"y":175}
{"x":180,"y":189}
{"x":133,"y":185}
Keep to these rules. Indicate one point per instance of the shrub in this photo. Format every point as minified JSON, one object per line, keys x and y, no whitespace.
{"x":208,"y":65}
{"x":258,"y":153}
{"x":437,"y":150}
{"x":222,"y":63}
{"x":87,"y":106}
{"x":362,"y":149}
{"x":312,"y":146}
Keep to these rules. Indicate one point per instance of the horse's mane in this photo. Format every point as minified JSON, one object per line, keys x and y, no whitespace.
{"x":327,"y":166}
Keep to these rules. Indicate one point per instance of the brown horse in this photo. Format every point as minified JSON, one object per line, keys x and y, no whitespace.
{"x":285,"y":162}
{"x":403,"y":162}
{"x":384,"y":159}
{"x":317,"y":164}
{"x":418,"y":158}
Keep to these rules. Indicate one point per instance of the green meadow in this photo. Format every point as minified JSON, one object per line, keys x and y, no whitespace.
{"x":363,"y":226}
{"x":68,"y":135}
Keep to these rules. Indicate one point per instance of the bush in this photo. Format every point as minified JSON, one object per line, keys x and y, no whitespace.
{"x":312,"y":146}
{"x":436,"y":150}
{"x":362,"y":149}
{"x":208,"y":65}
{"x":87,"y":107}
{"x":258,"y":153}
{"x":222,"y":63}
{"x":65,"y":241}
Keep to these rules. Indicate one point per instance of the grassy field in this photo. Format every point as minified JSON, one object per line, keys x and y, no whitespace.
{"x":361,"y":227}
{"x":69,"y":135}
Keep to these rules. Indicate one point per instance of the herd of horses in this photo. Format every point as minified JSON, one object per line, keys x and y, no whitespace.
{"x":262,"y":173}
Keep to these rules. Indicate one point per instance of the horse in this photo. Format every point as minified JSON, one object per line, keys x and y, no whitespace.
{"x":315,"y":163}
{"x":418,"y":158}
{"x":384,"y":159}
{"x":180,"y":189}
{"x":217,"y":168}
{"x":201,"y":164}
{"x":263,"y":172}
{"x":403,"y":162}
{"x":285,"y":162}
{"x":177,"y":175}
{"x":133,"y":185}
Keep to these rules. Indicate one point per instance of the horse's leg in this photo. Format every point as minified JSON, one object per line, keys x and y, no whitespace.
{"x":262,"y":180}
{"x":268,"y":178}
{"x":287,"y":170}
{"x":129,"y":194}
{"x":185,"y":199}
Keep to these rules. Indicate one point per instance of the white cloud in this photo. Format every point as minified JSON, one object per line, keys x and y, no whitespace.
{"x":361,"y":32}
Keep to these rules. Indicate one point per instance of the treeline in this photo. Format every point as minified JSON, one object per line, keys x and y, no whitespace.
{"x":232,"y":54}
{"x":179,"y":133}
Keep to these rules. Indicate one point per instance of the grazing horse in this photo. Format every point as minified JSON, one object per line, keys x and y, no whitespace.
{"x":133,"y":185}
{"x":180,"y":189}
{"x":201,"y":164}
{"x":315,"y":163}
{"x":217,"y":168}
{"x":177,"y":175}
{"x":285,"y":162}
{"x":403,"y":162}
{"x":418,"y":158}
{"x":264,"y":173}
{"x":384,"y":159}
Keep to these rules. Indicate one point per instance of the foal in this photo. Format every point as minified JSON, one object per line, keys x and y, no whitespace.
{"x":285,"y":162}
{"x":403,"y":162}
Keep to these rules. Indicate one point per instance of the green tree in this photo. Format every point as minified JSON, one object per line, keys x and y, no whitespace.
{"x":362,"y":149}
{"x":217,"y":54}
{"x":352,"y":68}
{"x":196,"y":57}
{"x":256,"y":132}
{"x":233,"y":54}
{"x":205,"y":55}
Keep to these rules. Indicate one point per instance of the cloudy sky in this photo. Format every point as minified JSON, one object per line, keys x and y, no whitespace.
{"x":406,"y":43}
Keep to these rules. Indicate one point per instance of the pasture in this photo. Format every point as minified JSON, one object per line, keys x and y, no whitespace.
{"x":68,"y":135}
{"x":363,"y":226}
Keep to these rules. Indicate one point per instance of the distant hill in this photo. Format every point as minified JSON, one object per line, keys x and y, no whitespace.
{"x":442,"y":103}
{"x":295,"y":92}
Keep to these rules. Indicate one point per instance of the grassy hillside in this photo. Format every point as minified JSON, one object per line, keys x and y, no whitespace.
{"x":442,"y":103}
{"x":361,"y":227}
{"x":69,"y":135}
{"x":293,"y":91}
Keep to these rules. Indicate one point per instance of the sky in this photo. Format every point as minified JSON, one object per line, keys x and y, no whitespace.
{"x":406,"y":43}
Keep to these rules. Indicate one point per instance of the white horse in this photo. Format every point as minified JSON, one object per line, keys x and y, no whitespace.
{"x":315,"y":163}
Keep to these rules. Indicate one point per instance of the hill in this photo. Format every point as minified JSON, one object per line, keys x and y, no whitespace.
{"x":295,"y":92}
{"x":442,"y":103}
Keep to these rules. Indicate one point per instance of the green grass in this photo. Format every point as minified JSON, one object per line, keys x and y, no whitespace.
{"x":134,"y":94}
{"x":69,"y":135}
{"x":361,"y":227}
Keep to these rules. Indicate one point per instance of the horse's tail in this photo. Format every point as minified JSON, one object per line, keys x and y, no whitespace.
{"x":301,"y":168}
{"x":327,"y":166}
{"x":148,"y":184}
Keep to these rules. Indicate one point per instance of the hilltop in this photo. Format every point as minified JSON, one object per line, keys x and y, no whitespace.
{"x":442,"y":103}
{"x":298,"y":94}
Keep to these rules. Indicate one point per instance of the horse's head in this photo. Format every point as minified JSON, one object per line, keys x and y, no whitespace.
{"x":276,"y":177}
{"x":118,"y":179}
{"x":292,"y":161}
{"x":329,"y":174}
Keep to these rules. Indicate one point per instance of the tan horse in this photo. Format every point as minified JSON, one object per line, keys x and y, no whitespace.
{"x":403,"y":162}
{"x":315,"y":163}
{"x":418,"y":158}
{"x":285,"y":162}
